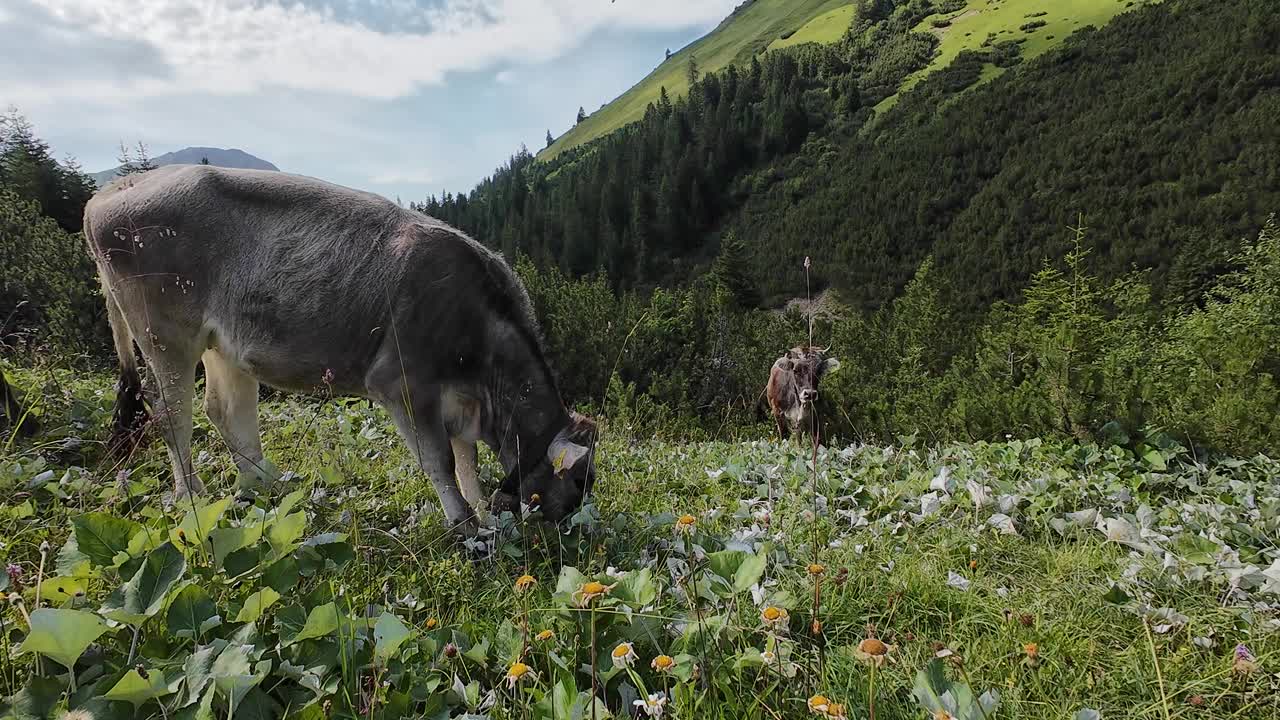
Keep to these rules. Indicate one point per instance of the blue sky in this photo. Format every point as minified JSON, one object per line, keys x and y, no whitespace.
{"x":400,"y":97}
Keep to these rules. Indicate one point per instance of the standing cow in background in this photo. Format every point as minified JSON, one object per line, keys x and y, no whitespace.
{"x":304,"y":285}
{"x":793,"y":388}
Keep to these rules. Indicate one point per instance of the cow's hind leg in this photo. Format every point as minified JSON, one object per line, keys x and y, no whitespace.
{"x":231,"y":400}
{"x":174,"y":379}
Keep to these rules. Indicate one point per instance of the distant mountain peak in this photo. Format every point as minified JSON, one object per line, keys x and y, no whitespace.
{"x":221,"y":157}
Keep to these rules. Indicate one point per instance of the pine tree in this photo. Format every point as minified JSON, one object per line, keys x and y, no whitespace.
{"x":549,"y":138}
{"x":582,"y":114}
{"x":204,"y":160}
{"x":730,"y":272}
{"x":128,"y":166}
{"x":143,"y":159}
{"x":691,"y":72}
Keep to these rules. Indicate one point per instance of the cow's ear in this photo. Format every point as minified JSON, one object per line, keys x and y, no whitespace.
{"x":830,"y":365}
{"x":564,"y":454}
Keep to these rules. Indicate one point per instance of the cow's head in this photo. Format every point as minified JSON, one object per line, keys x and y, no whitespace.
{"x":560,"y":481}
{"x":807,"y":365}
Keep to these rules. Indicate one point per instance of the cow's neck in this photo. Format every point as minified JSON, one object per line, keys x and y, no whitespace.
{"x":526,"y":412}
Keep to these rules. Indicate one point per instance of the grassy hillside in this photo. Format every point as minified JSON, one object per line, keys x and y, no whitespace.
{"x":745,"y":33}
{"x":1036,"y":25}
{"x":825,"y":28}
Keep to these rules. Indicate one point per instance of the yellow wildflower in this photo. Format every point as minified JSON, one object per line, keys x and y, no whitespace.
{"x":685,"y":524}
{"x":590,"y":591}
{"x":525,"y":582}
{"x":520,"y":672}
{"x":663,"y":663}
{"x":872,"y":650}
{"x":623,"y":655}
{"x":545,"y":635}
{"x":774,"y":616}
{"x":818,"y":704}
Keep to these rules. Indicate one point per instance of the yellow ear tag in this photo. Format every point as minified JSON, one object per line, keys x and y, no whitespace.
{"x":558,"y":463}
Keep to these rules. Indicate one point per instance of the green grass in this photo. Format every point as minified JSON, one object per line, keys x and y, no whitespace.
{"x":823,"y":29}
{"x":735,"y":40}
{"x":893,"y":529}
{"x":971,"y":26}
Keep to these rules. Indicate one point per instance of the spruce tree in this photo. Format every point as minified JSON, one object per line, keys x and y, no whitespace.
{"x":730,"y":271}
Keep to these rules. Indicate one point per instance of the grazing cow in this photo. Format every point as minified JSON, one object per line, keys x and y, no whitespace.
{"x":303,"y":285}
{"x":793,"y":387}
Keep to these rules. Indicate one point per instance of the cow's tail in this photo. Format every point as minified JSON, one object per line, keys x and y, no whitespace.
{"x":130,"y":417}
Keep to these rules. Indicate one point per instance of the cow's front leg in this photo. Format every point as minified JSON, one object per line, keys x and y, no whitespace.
{"x":424,"y":432}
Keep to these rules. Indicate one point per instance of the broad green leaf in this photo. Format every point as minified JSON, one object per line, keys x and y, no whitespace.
{"x":190,"y":612}
{"x":637,"y":589}
{"x":388,"y":635}
{"x":62,"y":635}
{"x":740,"y":570}
{"x":256,"y":604}
{"x":258,"y":705}
{"x":228,"y":540}
{"x":35,"y":701}
{"x":1155,"y":461}
{"x":72,"y":562}
{"x":198,"y":523}
{"x":328,"y":552}
{"x":289,"y":621}
{"x":559,"y":702}
{"x":102,"y":537}
{"x":245,"y":561}
{"x":281,"y":575}
{"x":58,"y":590}
{"x":145,"y":594}
{"x":137,"y":690}
{"x":235,"y":676}
{"x":286,"y":505}
{"x":284,"y":534}
{"x":198,"y":670}
{"x":479,"y":652}
{"x":321,"y":621}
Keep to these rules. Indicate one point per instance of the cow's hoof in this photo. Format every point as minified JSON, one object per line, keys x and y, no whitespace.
{"x":503,"y":502}
{"x":466,"y":529}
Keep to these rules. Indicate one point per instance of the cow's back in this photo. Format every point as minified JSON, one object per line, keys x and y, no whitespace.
{"x":290,"y":275}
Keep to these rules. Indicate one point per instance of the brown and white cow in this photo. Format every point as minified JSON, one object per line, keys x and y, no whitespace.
{"x":793,"y":388}
{"x":304,"y":285}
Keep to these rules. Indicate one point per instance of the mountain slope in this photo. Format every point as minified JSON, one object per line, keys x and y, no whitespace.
{"x":745,"y":33}
{"x":1163,"y":138}
{"x":229,"y":158}
{"x":958,"y":26}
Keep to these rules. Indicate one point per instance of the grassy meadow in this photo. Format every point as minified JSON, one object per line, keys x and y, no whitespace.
{"x":1037,"y":25}
{"x":825,"y":28}
{"x":1020,"y":579}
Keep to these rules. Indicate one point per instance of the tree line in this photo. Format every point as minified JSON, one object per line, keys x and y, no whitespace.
{"x":960,"y":304}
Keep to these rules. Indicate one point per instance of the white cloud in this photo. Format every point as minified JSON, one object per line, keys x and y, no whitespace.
{"x":228,"y":47}
{"x":403,"y":177}
{"x":506,"y":77}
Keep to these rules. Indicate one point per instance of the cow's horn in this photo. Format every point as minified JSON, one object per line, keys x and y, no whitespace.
{"x":564,"y":453}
